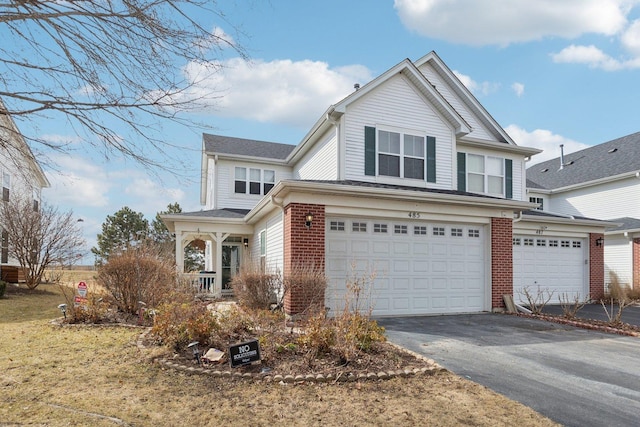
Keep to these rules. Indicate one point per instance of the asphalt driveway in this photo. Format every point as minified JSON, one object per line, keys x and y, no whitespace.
{"x":574,"y":376}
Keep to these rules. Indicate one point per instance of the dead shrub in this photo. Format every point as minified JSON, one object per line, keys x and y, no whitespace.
{"x":94,"y":310}
{"x":570,"y":307}
{"x":139,"y":274}
{"x":309,"y":283}
{"x":538,"y":300}
{"x":618,"y":298}
{"x":634,"y":293}
{"x":255,"y":289}
{"x":177,"y":324}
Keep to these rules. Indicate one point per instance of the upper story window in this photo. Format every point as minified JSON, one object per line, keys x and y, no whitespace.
{"x":400,"y":154}
{"x":253,"y":180}
{"x":539,"y":201}
{"x":36,"y":199}
{"x":485,"y":174}
{"x":6,"y":186}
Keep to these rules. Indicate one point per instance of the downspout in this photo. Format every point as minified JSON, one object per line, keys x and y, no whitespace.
{"x":518,"y":218}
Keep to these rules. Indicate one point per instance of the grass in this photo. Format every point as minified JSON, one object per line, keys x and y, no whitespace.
{"x":78,"y":375}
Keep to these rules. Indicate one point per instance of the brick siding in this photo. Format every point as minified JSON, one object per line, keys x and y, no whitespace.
{"x":596,"y":267}
{"x":501,"y":260}
{"x":302,"y":247}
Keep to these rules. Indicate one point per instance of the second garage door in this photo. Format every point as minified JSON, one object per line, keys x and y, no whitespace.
{"x":419,"y":267}
{"x":549,"y":264}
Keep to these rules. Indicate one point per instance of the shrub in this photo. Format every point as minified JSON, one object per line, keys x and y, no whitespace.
{"x":178,"y":324}
{"x":536,"y":302}
{"x":309,"y":284}
{"x":254,"y":288}
{"x":634,"y":294}
{"x":93,"y":311}
{"x":138,"y":274}
{"x":570,"y":307}
{"x":3,"y":288}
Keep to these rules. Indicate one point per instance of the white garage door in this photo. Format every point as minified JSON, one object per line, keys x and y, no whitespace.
{"x":419,"y":267}
{"x":555,"y":264}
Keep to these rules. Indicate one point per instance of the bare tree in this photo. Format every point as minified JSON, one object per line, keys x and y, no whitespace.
{"x":114,"y":70}
{"x":40,"y":238}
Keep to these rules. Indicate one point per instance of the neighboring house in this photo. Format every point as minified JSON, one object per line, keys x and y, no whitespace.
{"x":408,"y":180}
{"x":602,"y":182}
{"x":22,"y":177}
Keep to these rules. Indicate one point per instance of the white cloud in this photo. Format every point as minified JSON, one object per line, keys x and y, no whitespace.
{"x":502,"y":22}
{"x":544,"y":140}
{"x":483,"y":88}
{"x":518,"y":88}
{"x":280,"y":91}
{"x":150,"y":197}
{"x":630,"y":39}
{"x":593,"y":57}
{"x":78,"y":182}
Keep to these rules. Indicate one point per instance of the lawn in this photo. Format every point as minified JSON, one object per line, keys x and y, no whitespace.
{"x":79,"y":375}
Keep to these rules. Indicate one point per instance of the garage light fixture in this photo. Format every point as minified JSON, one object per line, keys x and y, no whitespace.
{"x":599,"y":241}
{"x":308,"y":219}
{"x":245,"y":242}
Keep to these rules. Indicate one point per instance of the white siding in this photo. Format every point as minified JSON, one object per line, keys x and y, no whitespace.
{"x":321,"y":162}
{"x":396,"y":104}
{"x":273,"y":228}
{"x":618,"y":258}
{"x":621,"y":200}
{"x":478,"y":130}
{"x":226,"y":197}
{"x":211,"y":201}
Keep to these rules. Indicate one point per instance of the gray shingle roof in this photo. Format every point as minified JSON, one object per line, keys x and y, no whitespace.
{"x":246,"y":147}
{"x":217,"y":213}
{"x":628,"y":223}
{"x":611,"y":158}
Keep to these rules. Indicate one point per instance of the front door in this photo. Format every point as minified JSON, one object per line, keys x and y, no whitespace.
{"x":230,"y":264}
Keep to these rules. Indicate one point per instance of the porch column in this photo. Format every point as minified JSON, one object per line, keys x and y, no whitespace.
{"x":179,"y":253}
{"x":218,"y":238}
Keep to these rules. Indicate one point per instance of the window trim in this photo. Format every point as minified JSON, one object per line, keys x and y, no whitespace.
{"x":401,"y":155}
{"x":247,"y":182}
{"x":486,"y":175}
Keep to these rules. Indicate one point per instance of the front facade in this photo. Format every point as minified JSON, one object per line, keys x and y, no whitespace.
{"x":21,"y":177}
{"x":408,"y":183}
{"x":602,"y":181}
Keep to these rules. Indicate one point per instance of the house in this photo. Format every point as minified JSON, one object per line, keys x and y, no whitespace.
{"x":602,"y":181}
{"x":21,"y":177}
{"x":408,"y":180}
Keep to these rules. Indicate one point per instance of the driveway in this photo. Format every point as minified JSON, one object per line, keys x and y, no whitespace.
{"x":574,"y":376}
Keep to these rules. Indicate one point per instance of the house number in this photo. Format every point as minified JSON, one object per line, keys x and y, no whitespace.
{"x":414,"y":214}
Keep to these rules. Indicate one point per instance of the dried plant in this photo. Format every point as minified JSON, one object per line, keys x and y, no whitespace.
{"x":536,"y":302}
{"x":570,"y":307}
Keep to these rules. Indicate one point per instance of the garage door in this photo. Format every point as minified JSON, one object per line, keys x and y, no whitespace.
{"x":555,"y":264}
{"x":417,"y":267}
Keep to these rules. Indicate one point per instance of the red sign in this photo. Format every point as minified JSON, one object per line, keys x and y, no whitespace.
{"x":79,"y":301}
{"x":82,"y":289}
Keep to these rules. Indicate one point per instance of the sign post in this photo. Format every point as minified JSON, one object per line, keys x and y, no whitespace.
{"x":81,"y":298}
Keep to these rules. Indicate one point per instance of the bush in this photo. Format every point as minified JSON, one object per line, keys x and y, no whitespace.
{"x":3,"y":288}
{"x":309,"y":284}
{"x":138,"y":274}
{"x":256,"y":289}
{"x":634,"y":294}
{"x":178,"y":324}
{"x":93,"y":311}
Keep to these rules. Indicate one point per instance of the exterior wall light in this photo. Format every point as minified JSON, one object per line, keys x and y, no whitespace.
{"x":599,"y":241}
{"x":308,"y":219}
{"x":63,"y":309}
{"x":245,"y":241}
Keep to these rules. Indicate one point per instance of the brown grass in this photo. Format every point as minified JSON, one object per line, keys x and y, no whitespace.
{"x":79,"y":375}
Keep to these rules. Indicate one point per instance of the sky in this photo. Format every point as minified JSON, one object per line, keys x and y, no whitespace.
{"x":550,"y":72}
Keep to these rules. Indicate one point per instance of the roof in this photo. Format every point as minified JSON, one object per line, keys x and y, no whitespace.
{"x":218,"y":144}
{"x":216,"y":213}
{"x":626,"y":224}
{"x":612,"y":158}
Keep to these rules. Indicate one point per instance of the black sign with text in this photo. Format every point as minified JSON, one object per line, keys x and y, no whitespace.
{"x":244,"y":353}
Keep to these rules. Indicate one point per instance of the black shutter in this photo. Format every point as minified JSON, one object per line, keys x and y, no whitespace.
{"x":369,"y":151}
{"x":431,"y":159}
{"x":462,"y":172}
{"x":508,"y":181}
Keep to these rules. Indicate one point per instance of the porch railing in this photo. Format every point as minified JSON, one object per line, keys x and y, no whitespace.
{"x":205,"y":283}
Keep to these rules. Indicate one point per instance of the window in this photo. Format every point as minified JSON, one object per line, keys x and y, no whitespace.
{"x":4,"y":256}
{"x":420,"y":230}
{"x":379,"y":228}
{"x":538,"y":200}
{"x":36,"y":199}
{"x":541,"y":242}
{"x":485,"y":174}
{"x":527,"y":242}
{"x":438,"y":231}
{"x":456,"y":232}
{"x":400,"y":229}
{"x":565,"y":244}
{"x":336,"y":225}
{"x":474,"y":232}
{"x":257,"y":182}
{"x":263,"y":249}
{"x":553,"y":243}
{"x":577,"y":244}
{"x":401,"y":155}
{"x":6,"y":185}
{"x":516,"y":241}
{"x":359,"y":227}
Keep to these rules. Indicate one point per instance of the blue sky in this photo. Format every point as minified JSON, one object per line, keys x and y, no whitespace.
{"x":549,"y":71}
